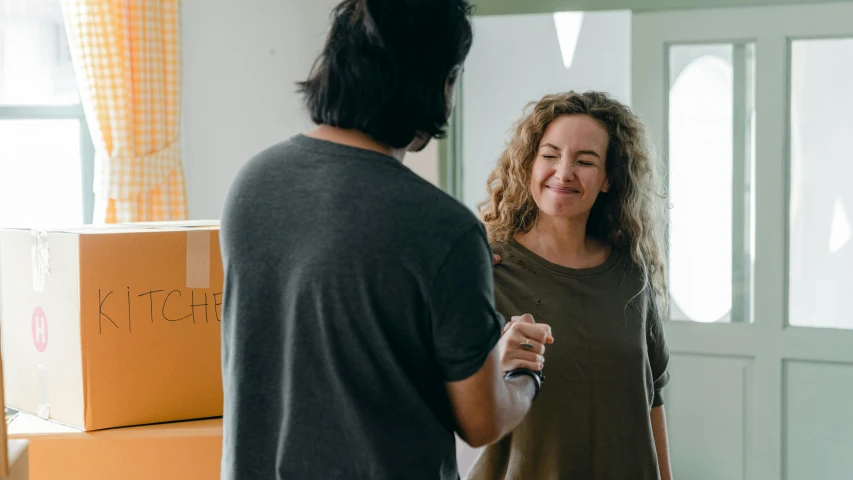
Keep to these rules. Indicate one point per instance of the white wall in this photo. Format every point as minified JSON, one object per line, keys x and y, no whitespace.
{"x":241,"y":59}
{"x":517,"y":59}
{"x":241,"y":62}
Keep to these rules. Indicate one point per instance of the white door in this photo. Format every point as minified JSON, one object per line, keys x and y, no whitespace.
{"x":752,"y":108}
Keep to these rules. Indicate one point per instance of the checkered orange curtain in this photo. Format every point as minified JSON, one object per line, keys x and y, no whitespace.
{"x":127,"y":56}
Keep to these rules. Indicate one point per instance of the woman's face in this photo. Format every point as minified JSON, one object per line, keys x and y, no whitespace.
{"x":568,"y":171}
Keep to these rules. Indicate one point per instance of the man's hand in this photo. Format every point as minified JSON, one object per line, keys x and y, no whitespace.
{"x":522,"y":344}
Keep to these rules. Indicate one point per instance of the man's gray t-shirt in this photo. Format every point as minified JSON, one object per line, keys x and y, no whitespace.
{"x":354,"y":290}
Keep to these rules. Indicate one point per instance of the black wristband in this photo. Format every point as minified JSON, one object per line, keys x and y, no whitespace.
{"x":537,"y":377}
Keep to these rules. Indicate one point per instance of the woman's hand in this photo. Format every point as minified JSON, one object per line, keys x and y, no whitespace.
{"x":522,"y":344}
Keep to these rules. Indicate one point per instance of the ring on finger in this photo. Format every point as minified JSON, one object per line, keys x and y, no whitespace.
{"x":526,"y":344}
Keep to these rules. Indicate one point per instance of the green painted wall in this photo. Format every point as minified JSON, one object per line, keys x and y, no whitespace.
{"x":506,"y":7}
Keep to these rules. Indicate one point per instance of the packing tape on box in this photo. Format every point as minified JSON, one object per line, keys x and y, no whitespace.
{"x":198,"y":259}
{"x":40,"y":250}
{"x":41,"y":259}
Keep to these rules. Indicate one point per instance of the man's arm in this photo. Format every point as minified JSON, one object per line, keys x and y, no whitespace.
{"x":466,"y":335}
{"x":486,"y":406}
{"x":658,"y":418}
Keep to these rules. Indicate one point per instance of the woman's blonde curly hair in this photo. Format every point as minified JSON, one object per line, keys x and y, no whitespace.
{"x":631,"y":215}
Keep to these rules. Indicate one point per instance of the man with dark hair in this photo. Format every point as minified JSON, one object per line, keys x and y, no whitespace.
{"x":388,"y":74}
{"x":359,"y":326}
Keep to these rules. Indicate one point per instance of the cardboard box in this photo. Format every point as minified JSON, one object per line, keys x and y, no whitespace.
{"x":18,"y":460}
{"x":184,"y":450}
{"x":113,"y":326}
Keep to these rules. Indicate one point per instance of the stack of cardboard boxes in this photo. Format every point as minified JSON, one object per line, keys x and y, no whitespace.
{"x":111,"y":341}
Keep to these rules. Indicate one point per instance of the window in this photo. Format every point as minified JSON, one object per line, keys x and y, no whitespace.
{"x":46,"y":152}
{"x":820,"y":246}
{"x":711,"y":147}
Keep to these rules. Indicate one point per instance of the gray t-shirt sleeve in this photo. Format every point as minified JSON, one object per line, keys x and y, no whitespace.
{"x":465,"y":324}
{"x":658,"y":352}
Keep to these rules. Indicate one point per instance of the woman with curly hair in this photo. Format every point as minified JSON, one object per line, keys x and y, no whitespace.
{"x":576,"y":213}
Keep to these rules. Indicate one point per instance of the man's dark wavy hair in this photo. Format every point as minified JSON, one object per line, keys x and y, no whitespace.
{"x":385,"y":67}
